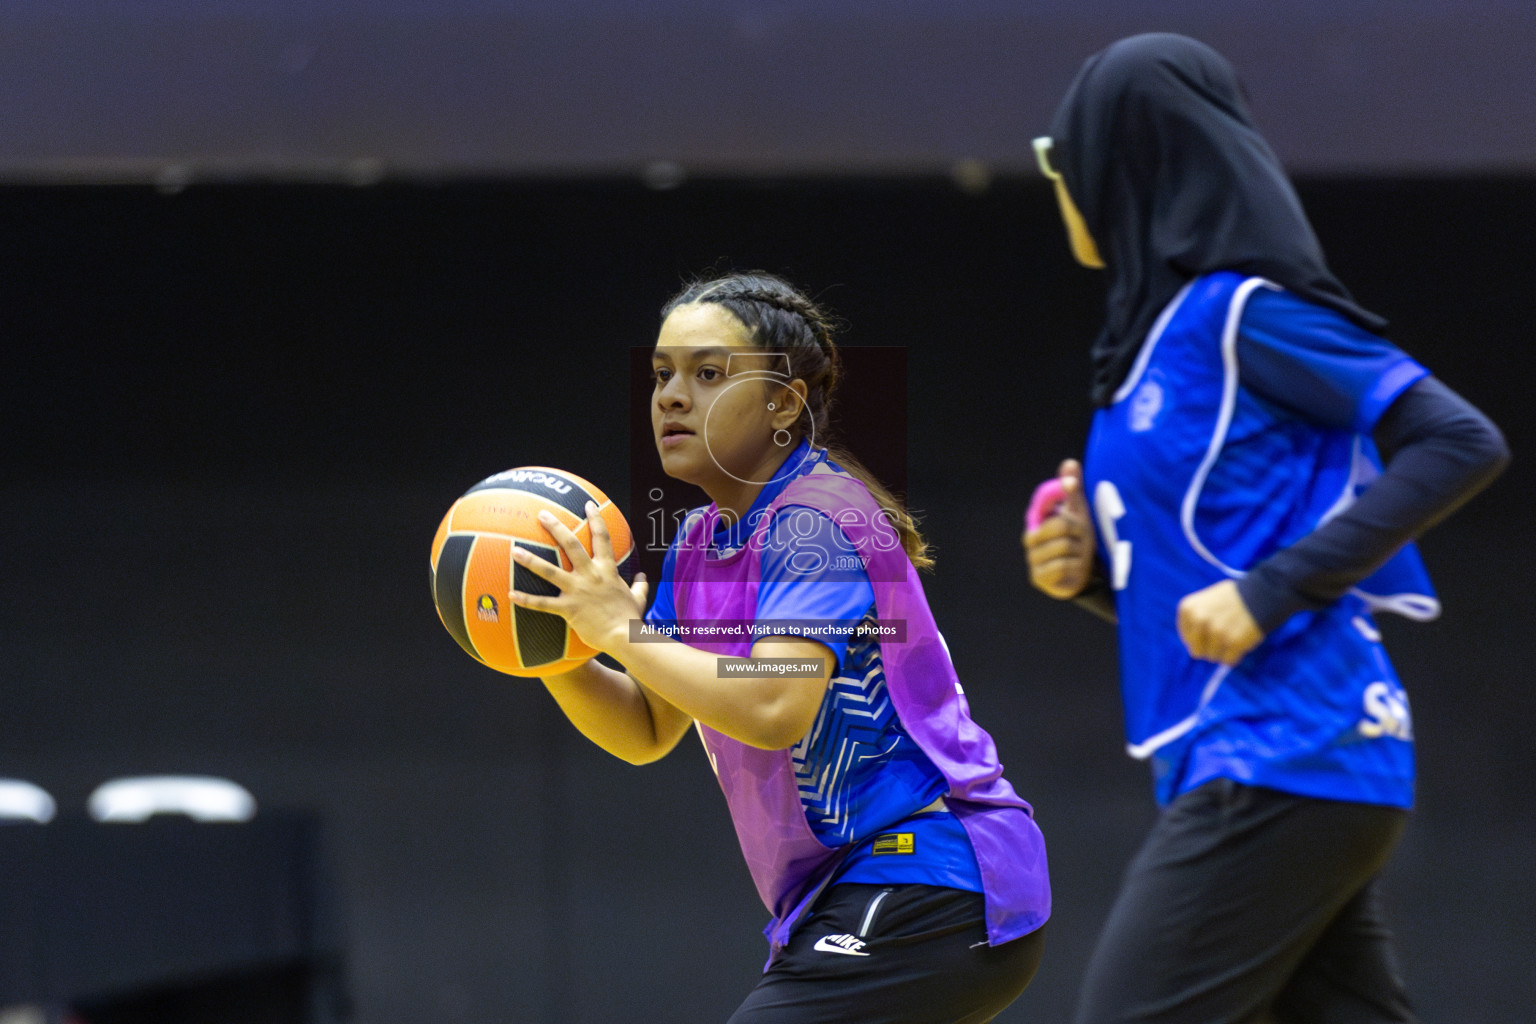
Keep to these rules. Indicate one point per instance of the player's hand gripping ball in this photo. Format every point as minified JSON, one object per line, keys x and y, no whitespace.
{"x":473,"y":571}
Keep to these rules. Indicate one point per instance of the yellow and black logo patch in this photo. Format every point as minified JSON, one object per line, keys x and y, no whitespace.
{"x":895,"y":842}
{"x":485,"y":608}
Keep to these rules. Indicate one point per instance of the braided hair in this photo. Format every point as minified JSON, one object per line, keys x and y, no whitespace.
{"x":780,"y":318}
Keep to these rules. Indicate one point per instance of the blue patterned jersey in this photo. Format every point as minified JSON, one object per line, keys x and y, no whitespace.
{"x":861,"y":777}
{"x":1194,"y":478}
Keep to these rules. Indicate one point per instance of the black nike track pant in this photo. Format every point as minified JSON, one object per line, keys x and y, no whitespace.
{"x":898,"y":954}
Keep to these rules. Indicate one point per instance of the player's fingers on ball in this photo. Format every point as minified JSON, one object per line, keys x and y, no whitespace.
{"x":533,"y":602}
{"x":558,"y":530}
{"x":566,"y":539}
{"x":540,"y":567}
{"x":602,"y":543}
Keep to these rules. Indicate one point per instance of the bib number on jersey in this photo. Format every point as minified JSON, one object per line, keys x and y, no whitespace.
{"x":1108,"y":509}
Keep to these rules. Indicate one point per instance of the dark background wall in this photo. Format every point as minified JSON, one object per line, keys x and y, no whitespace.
{"x":233,"y":417}
{"x":358,"y":90}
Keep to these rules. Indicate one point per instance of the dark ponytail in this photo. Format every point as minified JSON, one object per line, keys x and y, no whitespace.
{"x":779,"y":318}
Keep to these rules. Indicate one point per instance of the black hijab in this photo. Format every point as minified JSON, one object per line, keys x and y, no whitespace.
{"x":1156,"y":146}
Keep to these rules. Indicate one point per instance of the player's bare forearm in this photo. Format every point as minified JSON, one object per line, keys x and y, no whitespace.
{"x":767,"y":711}
{"x":616,"y":712}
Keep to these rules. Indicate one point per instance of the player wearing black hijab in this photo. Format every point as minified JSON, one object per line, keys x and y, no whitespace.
{"x":1161,"y":109}
{"x":1247,"y":531}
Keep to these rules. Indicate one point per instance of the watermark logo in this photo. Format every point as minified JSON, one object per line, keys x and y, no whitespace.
{"x":753,"y":368}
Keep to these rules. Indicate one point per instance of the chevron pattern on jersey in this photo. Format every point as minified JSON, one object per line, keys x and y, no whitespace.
{"x":856,"y":725}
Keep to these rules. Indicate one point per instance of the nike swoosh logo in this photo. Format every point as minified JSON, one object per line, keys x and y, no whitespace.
{"x":823,"y":946}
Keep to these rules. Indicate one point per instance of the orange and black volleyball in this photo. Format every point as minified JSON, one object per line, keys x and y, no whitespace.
{"x":473,"y":571}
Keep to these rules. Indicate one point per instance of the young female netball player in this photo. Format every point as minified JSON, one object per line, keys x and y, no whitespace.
{"x":1246,"y":532}
{"x":906,"y":879}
